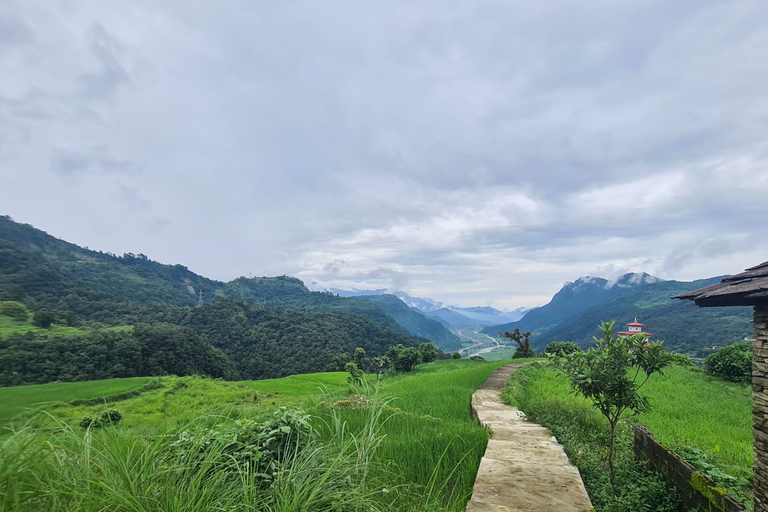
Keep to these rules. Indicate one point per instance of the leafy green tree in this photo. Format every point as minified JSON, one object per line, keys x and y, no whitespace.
{"x":560,"y":348}
{"x":428,"y":352}
{"x":15,"y":310}
{"x":338,"y":363}
{"x":733,"y":363}
{"x":403,"y":359}
{"x":611,"y":375}
{"x":456,"y":355}
{"x":355,"y":374}
{"x":360,"y":358}
{"x":43,"y":318}
{"x":523,"y":343}
{"x":380,"y":364}
{"x":407,"y":359}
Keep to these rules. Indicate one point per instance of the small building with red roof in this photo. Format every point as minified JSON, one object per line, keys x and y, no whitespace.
{"x":635,"y":328}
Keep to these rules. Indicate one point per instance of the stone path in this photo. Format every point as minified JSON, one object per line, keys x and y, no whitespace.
{"x":524,"y":468}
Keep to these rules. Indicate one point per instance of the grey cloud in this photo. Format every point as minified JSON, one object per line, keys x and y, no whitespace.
{"x":112,"y":74}
{"x":326,"y":140}
{"x":133,"y":198}
{"x":97,"y":159}
{"x":399,"y":279}
{"x":13,"y":32}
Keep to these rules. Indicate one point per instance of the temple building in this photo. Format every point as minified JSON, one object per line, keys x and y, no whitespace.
{"x":635,"y":328}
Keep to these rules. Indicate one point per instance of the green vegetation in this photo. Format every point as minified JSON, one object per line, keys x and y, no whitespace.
{"x":401,"y":442}
{"x":579,"y":307}
{"x":610,"y":376}
{"x":733,"y":363}
{"x":17,"y":399}
{"x":689,"y":409}
{"x":9,"y":326}
{"x":414,"y":321}
{"x":524,"y":350}
{"x":561,"y":348}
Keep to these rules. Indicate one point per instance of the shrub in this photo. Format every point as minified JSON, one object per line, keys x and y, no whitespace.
{"x":476,"y":358}
{"x":428,"y":352}
{"x":261,"y":447}
{"x":733,"y":363}
{"x":355,"y":374}
{"x":456,"y":355}
{"x":560,"y":348}
{"x":43,"y":318}
{"x":15,"y":310}
{"x":108,"y":418}
{"x":681,"y":360}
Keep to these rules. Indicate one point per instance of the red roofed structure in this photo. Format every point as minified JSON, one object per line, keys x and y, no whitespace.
{"x":635,"y":328}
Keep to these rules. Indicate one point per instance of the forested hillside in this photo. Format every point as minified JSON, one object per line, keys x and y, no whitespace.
{"x":264,"y":343}
{"x":100,"y":316}
{"x":574,"y":298}
{"x":683,"y":326}
{"x":414,"y":321}
{"x":79,"y":285}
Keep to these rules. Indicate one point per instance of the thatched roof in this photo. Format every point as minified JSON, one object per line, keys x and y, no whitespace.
{"x":749,"y":288}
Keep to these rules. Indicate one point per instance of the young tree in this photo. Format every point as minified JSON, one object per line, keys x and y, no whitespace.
{"x":611,"y":375}
{"x":355,"y":374}
{"x":428,"y":352}
{"x":360,"y":358}
{"x":380,"y":364}
{"x":523,"y":343}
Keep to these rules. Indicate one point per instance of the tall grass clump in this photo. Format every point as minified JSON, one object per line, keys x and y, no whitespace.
{"x":276,"y":464}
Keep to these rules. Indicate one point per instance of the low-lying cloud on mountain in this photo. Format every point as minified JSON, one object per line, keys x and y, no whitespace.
{"x":479,"y":153}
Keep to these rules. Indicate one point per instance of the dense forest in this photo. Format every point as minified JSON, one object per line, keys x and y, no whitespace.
{"x":131,"y":316}
{"x":225,"y":338}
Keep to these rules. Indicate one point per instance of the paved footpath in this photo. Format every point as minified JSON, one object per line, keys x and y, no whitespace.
{"x":524,"y":468}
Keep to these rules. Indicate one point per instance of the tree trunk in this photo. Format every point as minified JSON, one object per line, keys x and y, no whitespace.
{"x":611,"y":472}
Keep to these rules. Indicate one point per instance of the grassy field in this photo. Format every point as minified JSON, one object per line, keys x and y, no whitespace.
{"x":688,"y":408}
{"x":418,"y":449}
{"x":17,"y":399}
{"x":9,"y":326}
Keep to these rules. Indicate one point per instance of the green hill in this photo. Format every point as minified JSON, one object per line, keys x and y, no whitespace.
{"x":414,"y":321}
{"x":682,"y":325}
{"x":78,"y":284}
{"x":573,"y":298}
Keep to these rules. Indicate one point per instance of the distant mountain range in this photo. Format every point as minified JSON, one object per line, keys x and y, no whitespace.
{"x":449,"y":316}
{"x":575,"y":311}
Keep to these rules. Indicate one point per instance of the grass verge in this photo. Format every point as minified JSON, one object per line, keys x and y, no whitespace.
{"x":688,"y":409}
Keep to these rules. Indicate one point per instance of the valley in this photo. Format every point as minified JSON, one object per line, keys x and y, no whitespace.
{"x":120,"y":353}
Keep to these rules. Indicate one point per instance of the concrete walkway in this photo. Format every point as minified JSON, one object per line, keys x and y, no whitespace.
{"x":524,"y":468}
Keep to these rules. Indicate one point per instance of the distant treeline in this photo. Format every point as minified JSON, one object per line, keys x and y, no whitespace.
{"x":225,"y":338}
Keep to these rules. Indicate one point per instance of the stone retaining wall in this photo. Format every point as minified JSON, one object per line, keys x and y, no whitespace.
{"x":760,"y":407}
{"x":696,"y":490}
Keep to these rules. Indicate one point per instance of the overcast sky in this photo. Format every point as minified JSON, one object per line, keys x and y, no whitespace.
{"x":475,"y":152}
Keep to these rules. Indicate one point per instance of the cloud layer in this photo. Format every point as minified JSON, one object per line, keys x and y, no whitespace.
{"x":474,"y":152}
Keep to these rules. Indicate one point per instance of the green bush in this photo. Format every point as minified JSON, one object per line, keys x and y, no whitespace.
{"x":108,"y":418}
{"x":681,"y":360}
{"x":456,"y":355}
{"x":260,"y":447}
{"x":733,"y":363}
{"x":560,"y":348}
{"x":15,"y":310}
